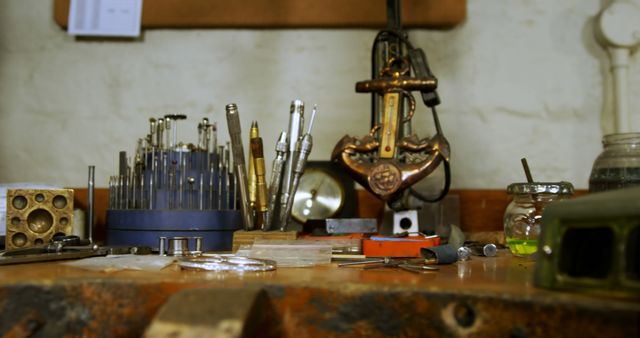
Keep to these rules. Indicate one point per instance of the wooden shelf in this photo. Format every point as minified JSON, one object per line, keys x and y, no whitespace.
{"x":288,"y":13}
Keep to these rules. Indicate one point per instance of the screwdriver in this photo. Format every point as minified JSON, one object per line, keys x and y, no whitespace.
{"x":303,"y":149}
{"x":276,"y":179}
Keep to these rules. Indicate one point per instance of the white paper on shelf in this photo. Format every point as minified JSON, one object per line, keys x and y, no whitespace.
{"x":118,"y":18}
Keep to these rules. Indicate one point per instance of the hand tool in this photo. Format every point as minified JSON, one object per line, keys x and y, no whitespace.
{"x":261,"y":186}
{"x":303,"y":149}
{"x":411,"y":265}
{"x":58,"y":243}
{"x":276,"y":179}
{"x":254,"y":133}
{"x":296,"y":123}
{"x":383,"y":260}
{"x":235,"y":134}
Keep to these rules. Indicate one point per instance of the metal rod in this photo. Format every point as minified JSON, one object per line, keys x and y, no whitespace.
{"x":235,"y":134}
{"x":111,"y":192}
{"x":91,"y":188}
{"x":191,"y":181}
{"x":527,"y":171}
{"x":210,"y":204}
{"x":221,"y":165}
{"x":151,"y":195}
{"x":201,"y":192}
{"x":228,"y":177}
{"x":172,"y":185}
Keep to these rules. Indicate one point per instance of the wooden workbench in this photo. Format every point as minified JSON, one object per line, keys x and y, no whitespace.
{"x":485,"y":297}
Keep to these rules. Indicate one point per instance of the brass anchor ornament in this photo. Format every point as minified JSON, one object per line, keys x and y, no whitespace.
{"x":390,"y":159}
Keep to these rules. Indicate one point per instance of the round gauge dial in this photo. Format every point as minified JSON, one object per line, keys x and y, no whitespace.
{"x":320,"y":195}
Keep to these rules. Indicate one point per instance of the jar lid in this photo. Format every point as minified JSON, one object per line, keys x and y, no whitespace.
{"x":559,"y":188}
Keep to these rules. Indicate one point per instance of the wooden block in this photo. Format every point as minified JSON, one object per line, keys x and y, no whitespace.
{"x":242,"y":237}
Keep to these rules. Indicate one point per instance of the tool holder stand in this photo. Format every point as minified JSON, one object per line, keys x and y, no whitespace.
{"x":163,"y":209}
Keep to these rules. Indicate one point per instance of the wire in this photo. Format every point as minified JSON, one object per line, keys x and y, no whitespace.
{"x":445,"y":189}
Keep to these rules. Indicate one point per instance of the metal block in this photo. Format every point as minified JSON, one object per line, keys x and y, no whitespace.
{"x":591,"y":244}
{"x":352,"y":225}
{"x":34,"y":216}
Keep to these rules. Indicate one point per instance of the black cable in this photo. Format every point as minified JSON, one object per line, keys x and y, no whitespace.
{"x":445,"y":189}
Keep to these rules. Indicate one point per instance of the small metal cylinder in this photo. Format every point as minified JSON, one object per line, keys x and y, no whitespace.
{"x":162,"y":245}
{"x":178,"y":246}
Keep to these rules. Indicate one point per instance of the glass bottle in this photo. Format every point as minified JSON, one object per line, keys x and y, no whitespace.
{"x":618,"y":165}
{"x":523,"y":216}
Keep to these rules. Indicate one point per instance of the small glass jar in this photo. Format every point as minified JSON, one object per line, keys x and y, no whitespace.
{"x":618,"y":166}
{"x":523,"y":216}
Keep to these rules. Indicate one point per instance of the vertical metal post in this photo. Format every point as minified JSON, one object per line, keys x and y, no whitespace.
{"x":91,"y":187}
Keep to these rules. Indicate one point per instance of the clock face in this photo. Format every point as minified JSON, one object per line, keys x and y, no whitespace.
{"x":319,"y":196}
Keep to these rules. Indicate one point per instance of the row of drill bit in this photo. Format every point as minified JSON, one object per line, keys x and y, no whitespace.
{"x":268,"y":207}
{"x":167,"y":174}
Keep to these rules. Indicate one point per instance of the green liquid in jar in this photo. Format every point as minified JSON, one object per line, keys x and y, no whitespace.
{"x":522,"y":247}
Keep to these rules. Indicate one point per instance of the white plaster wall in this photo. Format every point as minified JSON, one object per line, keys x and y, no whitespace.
{"x":518,"y":78}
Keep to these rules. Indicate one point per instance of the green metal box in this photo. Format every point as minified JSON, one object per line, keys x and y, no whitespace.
{"x":590,"y":244}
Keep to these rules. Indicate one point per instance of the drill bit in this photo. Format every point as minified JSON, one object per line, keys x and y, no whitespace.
{"x":235,"y":134}
{"x":228,"y":176}
{"x":303,"y":149}
{"x":91,"y":190}
{"x":221,"y":168}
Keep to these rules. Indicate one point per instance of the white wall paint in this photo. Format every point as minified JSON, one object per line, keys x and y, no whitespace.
{"x":518,"y":78}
